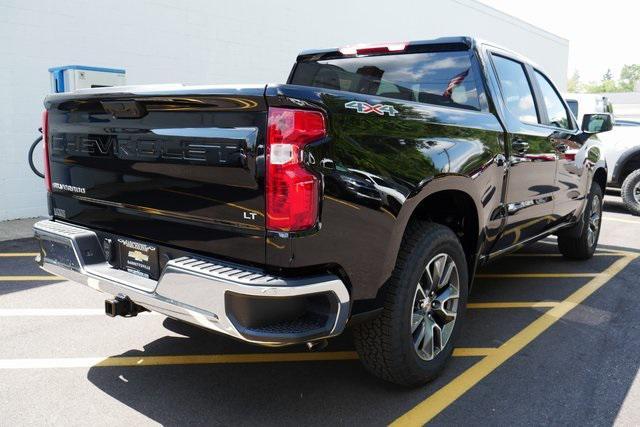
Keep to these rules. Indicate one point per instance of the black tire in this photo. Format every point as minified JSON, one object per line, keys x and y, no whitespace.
{"x":386,"y":344}
{"x":30,"y":157}
{"x":631,"y":192}
{"x":579,"y":243}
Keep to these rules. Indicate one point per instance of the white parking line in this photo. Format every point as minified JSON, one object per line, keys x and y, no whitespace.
{"x":40,"y":312}
{"x":533,"y":275}
{"x":544,"y":255}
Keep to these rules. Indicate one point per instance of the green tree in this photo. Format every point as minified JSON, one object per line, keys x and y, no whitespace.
{"x":629,"y":76}
{"x":573,"y":84}
{"x":610,"y":86}
{"x":607,"y":84}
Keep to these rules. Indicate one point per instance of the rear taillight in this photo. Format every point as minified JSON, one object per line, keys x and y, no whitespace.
{"x":45,"y":145}
{"x":292,"y":191}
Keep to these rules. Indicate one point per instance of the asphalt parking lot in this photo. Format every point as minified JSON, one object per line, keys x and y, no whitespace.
{"x":547,"y":341}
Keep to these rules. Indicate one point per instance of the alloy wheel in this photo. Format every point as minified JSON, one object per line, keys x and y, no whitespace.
{"x":435,"y":306}
{"x":594,"y":220}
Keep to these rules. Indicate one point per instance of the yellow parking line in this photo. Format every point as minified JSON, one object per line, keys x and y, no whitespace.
{"x":18,"y":254}
{"x":29,"y":278}
{"x":473,"y":351}
{"x":619,"y":252}
{"x":628,"y":221}
{"x":534,"y":275}
{"x":518,"y":304}
{"x":200,"y":359}
{"x":207,"y":359}
{"x":87,"y":362}
{"x":441,"y":399}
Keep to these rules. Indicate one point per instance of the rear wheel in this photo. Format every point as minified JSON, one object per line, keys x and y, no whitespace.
{"x":583,"y":245}
{"x":631,"y":192}
{"x":424,"y":305}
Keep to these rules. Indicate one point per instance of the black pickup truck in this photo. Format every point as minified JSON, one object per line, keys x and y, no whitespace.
{"x":364,"y":192}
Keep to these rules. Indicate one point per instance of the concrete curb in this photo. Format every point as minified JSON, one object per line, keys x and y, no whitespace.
{"x":17,"y":228}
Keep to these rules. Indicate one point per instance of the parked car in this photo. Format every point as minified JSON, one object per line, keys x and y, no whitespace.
{"x":621,"y":150}
{"x":581,"y":103}
{"x":213,"y":204}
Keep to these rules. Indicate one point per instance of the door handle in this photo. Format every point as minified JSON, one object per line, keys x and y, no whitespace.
{"x":519,"y":145}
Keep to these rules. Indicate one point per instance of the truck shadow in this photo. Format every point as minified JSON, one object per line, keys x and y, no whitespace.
{"x":342,"y":392}
{"x":614,"y":204}
{"x":291,"y":393}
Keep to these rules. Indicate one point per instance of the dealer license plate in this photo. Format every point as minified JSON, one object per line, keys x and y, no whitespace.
{"x":138,"y":258}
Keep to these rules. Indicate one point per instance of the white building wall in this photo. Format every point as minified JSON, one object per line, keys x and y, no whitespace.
{"x":208,"y":42}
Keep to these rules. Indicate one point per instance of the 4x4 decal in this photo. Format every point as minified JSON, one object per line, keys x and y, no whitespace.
{"x":365,"y":108}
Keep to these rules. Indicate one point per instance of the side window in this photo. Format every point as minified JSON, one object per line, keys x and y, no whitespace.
{"x":516,"y":90}
{"x":558,"y":115}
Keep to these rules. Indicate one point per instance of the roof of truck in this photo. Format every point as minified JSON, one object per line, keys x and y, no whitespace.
{"x":459,"y":40}
{"x":467,"y":41}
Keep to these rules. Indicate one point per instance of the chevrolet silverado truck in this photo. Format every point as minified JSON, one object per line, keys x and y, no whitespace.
{"x":365,"y":191}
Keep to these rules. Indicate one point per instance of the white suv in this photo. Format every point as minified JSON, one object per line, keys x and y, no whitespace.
{"x":621,"y":147}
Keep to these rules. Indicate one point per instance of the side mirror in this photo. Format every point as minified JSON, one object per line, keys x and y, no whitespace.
{"x":595,"y":123}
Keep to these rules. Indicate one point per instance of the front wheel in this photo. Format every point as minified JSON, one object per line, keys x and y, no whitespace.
{"x":630,"y":192}
{"x":582,"y":245}
{"x":424,"y":303}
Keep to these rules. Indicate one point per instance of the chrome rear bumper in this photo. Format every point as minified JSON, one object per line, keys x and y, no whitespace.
{"x":218,"y":296}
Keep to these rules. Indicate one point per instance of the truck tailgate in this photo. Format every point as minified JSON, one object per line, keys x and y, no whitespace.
{"x":182,"y":167}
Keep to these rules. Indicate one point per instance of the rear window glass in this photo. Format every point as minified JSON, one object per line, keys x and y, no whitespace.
{"x":441,"y":78}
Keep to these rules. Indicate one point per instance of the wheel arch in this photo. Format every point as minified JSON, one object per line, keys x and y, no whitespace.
{"x":600,"y":177}
{"x":627,"y":163}
{"x":446,"y":195}
{"x":457,"y":210}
